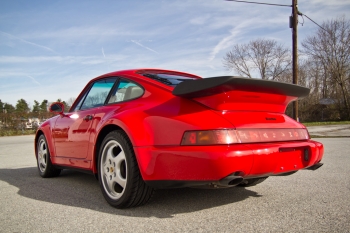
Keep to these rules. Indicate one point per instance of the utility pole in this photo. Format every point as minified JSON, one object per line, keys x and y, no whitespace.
{"x":295,"y":53}
{"x":293,"y":24}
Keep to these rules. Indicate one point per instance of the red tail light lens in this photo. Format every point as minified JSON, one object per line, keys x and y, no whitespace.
{"x":210,"y":137}
{"x":232,"y":136}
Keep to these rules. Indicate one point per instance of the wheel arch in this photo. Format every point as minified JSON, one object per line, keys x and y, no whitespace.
{"x":45,"y":129}
{"x":102,"y":134}
{"x":37,"y":135}
{"x":48,"y":137}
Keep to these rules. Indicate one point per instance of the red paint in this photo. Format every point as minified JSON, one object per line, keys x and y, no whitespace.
{"x":157,"y":121}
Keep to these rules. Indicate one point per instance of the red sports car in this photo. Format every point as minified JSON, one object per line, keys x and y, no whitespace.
{"x":140,"y":130}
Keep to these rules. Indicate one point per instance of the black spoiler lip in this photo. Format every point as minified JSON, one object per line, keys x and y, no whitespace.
{"x":215,"y":85}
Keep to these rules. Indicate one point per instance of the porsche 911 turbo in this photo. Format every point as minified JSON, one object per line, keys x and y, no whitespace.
{"x":146,"y":129}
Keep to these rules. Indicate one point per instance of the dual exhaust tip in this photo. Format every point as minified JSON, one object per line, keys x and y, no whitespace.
{"x":230,"y":181}
{"x":233,"y":180}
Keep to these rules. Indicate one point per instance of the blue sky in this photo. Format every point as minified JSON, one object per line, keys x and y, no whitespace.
{"x":51,"y":49}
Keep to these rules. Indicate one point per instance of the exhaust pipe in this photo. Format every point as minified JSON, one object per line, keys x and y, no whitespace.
{"x":227,"y":182}
{"x":230,"y":181}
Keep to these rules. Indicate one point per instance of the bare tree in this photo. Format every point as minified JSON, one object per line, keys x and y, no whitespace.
{"x":262,"y":56}
{"x":70,"y":102}
{"x":330,"y":46}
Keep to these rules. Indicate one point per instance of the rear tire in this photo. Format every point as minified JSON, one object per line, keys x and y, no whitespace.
{"x":45,"y":167}
{"x":119,"y":176}
{"x":252,"y":182}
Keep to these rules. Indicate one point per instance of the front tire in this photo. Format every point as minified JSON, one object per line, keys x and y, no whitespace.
{"x":45,"y":167}
{"x":120,"y":180}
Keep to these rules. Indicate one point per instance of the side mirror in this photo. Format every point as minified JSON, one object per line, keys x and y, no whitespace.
{"x":57,"y":108}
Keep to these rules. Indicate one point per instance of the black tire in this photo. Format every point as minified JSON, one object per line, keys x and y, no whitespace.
{"x":45,"y":167}
{"x":252,"y":182}
{"x":119,"y":176}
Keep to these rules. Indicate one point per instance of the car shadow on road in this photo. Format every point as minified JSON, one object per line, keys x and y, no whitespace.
{"x":82,"y":190}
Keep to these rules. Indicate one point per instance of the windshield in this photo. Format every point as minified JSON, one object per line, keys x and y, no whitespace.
{"x":168,"y":79}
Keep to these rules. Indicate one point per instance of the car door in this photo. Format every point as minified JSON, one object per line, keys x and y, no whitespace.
{"x":72,"y":130}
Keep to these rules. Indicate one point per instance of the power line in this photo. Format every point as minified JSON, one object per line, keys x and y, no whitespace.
{"x":261,"y":3}
{"x":271,"y":4}
{"x":311,"y":20}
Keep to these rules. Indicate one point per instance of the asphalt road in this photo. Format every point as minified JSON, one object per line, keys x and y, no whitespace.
{"x":330,"y":130}
{"x":308,"y":201}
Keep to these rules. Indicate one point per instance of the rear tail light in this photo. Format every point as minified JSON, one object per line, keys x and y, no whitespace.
{"x":210,"y":137}
{"x":233,"y":136}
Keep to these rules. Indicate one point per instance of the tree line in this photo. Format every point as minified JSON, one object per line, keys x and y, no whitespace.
{"x":17,"y":117}
{"x":324,"y":67}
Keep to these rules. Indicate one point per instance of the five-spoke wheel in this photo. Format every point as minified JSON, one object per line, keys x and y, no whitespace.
{"x":45,"y":167}
{"x":114,"y":169}
{"x":42,"y":154}
{"x":119,"y":176}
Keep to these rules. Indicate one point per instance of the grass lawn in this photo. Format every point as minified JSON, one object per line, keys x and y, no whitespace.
{"x":326,"y":123}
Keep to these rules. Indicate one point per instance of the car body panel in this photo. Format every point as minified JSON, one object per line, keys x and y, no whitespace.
{"x":256,"y":119}
{"x":215,"y":162}
{"x":71,"y":134}
{"x":246,"y":101}
{"x":156,"y":121}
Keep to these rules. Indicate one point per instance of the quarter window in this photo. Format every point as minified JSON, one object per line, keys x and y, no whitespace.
{"x":126,"y":91}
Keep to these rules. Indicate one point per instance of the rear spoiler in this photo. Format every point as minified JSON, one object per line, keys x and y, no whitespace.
{"x":216,"y":85}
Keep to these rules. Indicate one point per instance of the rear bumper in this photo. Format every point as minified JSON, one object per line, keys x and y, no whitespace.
{"x":187,"y":165}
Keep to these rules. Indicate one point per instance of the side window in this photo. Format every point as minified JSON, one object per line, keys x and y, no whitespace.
{"x":97,"y":95}
{"x":126,"y":90}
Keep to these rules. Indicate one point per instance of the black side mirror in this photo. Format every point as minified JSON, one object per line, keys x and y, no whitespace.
{"x":57,"y":108}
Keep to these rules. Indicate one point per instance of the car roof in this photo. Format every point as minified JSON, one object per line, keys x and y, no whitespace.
{"x":138,"y":74}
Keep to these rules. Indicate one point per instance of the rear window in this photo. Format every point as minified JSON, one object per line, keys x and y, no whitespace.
{"x":168,"y":79}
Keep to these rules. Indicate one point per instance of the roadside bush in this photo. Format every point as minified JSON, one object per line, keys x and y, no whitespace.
{"x":16,"y":132}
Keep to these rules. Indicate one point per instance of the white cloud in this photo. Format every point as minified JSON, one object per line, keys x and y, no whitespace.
{"x":87,"y":60}
{"x":33,"y":79}
{"x":27,"y":42}
{"x":330,"y":2}
{"x":200,"y":20}
{"x":229,"y":40}
{"x":103,"y":53}
{"x":78,"y":32}
{"x":143,"y":46}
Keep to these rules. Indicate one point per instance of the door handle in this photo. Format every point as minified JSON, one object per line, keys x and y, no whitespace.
{"x":88,"y":118}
